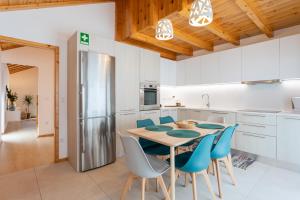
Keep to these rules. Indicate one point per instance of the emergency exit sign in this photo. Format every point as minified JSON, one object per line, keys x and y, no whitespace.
{"x":84,"y":38}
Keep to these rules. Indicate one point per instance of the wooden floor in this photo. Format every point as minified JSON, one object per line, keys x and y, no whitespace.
{"x":22,"y":149}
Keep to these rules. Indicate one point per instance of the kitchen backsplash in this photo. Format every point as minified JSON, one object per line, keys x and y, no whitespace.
{"x":237,"y":96}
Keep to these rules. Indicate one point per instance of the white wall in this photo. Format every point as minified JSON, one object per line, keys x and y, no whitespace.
{"x":238,"y":96}
{"x":26,"y":83}
{"x":54,"y":26}
{"x":43,"y":59}
{"x":3,"y":82}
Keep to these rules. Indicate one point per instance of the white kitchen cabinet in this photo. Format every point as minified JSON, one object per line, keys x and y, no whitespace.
{"x":169,"y":112}
{"x":127,"y":78}
{"x":167,"y":72}
{"x":210,"y":73}
{"x":231,"y":65}
{"x":180,"y":72}
{"x":149,"y":66}
{"x":288,"y":139}
{"x":124,"y":121}
{"x":151,"y":114}
{"x":257,"y":144}
{"x":229,"y":117}
{"x":257,"y":118}
{"x":290,"y":57}
{"x":193,"y":71}
{"x":183,"y":114}
{"x":261,"y":61}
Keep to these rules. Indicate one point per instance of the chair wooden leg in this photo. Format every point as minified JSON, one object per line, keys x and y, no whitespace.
{"x":229,"y":167}
{"x":163,"y":187}
{"x":194,"y":186}
{"x":208,"y":183}
{"x":157,"y":184}
{"x":147,"y":185}
{"x":143,"y":188}
{"x":186,"y":179}
{"x":218,"y":177}
{"x":127,"y":186}
{"x":177,"y":175}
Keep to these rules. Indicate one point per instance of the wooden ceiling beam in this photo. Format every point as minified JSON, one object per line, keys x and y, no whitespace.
{"x":213,"y":27}
{"x":36,"y":5}
{"x":249,"y":8}
{"x":162,"y":44}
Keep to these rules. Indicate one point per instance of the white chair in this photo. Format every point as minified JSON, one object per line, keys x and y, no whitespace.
{"x":142,"y":165}
{"x":216,"y":119}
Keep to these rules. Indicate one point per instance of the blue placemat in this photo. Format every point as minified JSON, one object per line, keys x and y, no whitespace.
{"x":159,"y":128}
{"x":183,"y":133}
{"x":210,"y":126}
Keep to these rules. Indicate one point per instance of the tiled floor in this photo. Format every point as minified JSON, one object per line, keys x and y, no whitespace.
{"x":61,"y":182}
{"x":21,"y":149}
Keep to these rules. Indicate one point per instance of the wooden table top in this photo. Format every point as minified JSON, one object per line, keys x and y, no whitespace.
{"x":163,"y":138}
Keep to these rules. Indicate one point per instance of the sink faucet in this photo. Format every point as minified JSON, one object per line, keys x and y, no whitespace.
{"x":207,"y":95}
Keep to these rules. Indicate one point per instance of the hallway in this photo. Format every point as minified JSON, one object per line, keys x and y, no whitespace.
{"x":22,"y":149}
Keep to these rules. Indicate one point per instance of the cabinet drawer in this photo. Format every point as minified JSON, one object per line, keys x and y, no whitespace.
{"x":229,"y":117}
{"x":256,"y":144}
{"x":258,"y":129}
{"x":253,"y":118}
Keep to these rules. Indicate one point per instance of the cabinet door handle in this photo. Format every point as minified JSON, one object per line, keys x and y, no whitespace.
{"x":128,"y":110}
{"x":291,"y":118}
{"x":251,"y":135}
{"x":250,"y":115}
{"x":221,"y":113}
{"x":127,"y":113}
{"x":259,"y":126}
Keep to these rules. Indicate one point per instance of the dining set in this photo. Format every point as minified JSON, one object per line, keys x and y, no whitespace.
{"x":188,"y":148}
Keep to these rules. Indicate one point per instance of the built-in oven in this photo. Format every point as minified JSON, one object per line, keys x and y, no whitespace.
{"x":149,"y":96}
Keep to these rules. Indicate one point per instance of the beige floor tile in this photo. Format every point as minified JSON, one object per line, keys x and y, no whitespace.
{"x":19,"y":186}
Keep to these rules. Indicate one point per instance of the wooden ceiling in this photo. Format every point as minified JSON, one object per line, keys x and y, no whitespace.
{"x":14,"y":68}
{"x":7,"y":5}
{"x":233,"y":20}
{"x":7,"y":46}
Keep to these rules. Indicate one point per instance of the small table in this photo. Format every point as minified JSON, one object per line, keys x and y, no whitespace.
{"x":172,"y":142}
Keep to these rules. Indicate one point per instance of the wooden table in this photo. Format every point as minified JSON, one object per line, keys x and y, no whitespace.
{"x":172,"y":142}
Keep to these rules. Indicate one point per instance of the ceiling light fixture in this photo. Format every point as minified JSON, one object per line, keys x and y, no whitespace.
{"x":164,"y":30}
{"x":201,"y":13}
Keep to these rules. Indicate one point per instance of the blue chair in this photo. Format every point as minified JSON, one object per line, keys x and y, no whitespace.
{"x":166,"y":120}
{"x":148,"y":146}
{"x":221,"y":152}
{"x":197,"y":162}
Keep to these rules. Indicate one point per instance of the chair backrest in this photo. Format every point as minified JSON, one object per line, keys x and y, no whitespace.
{"x":166,"y":120}
{"x":216,"y":119}
{"x":223,"y":145}
{"x":136,"y":160}
{"x":141,"y":124}
{"x":200,"y":158}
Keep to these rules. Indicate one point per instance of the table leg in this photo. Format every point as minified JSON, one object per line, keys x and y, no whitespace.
{"x":173,"y":178}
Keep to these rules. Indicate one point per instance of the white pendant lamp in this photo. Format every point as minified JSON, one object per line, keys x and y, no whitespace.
{"x":201,"y":13}
{"x":164,"y":30}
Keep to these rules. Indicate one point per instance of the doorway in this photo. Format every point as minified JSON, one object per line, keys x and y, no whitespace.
{"x":41,"y":145}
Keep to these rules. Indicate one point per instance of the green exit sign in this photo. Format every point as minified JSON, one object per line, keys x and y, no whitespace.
{"x":84,"y":38}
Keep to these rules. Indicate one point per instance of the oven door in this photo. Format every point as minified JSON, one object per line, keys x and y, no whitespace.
{"x":149,"y":99}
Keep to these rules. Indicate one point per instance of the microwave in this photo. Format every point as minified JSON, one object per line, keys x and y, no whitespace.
{"x":149,"y":96}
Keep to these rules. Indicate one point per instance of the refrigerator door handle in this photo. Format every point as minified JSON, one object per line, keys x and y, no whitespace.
{"x":82,"y":136}
{"x":82,"y":101}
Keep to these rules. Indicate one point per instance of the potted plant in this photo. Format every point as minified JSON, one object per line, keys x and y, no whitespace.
{"x":12,"y":97}
{"x":28,"y":101}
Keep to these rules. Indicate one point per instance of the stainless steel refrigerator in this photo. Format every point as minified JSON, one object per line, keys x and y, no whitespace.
{"x":97,"y":135}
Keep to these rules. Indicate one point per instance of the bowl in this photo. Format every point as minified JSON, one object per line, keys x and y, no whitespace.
{"x":186,"y":124}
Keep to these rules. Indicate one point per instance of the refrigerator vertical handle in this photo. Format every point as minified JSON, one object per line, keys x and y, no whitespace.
{"x":82,"y":93}
{"x":82,"y":136}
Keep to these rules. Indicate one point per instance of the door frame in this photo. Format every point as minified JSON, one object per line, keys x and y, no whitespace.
{"x":56,"y":84}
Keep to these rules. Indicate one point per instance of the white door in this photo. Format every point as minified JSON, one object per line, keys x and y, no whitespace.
{"x":124,"y":121}
{"x":127,"y":78}
{"x":288,"y":139}
{"x":290,"y":57}
{"x":261,"y":61}
{"x":231,"y":65}
{"x":210,"y":68}
{"x":152,"y":114}
{"x":149,"y":66}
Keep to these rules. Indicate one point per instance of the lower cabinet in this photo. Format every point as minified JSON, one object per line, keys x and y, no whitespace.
{"x":124,"y":121}
{"x":257,"y":144}
{"x":169,"y":112}
{"x":151,"y":114}
{"x":288,"y":139}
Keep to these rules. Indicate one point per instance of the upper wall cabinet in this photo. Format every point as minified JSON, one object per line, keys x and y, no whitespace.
{"x":261,"y":61}
{"x":290,"y":57}
{"x":127,"y":75}
{"x":180,"y":72}
{"x":149,"y":66}
{"x":210,"y":68}
{"x":192,"y":68}
{"x":167,"y":72}
{"x":231,"y":65}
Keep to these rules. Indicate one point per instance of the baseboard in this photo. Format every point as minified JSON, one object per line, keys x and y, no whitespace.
{"x":61,"y":160}
{"x":47,"y":135}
